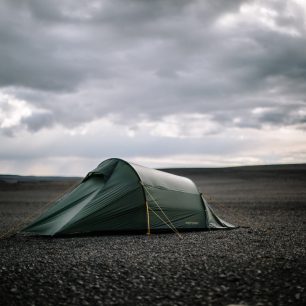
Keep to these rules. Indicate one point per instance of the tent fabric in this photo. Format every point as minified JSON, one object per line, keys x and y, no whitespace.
{"x":121,"y":196}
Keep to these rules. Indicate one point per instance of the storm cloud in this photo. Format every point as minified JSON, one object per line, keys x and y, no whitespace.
{"x":185,"y":70}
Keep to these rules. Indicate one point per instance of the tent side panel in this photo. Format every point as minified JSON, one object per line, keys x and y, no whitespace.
{"x":124,"y":212}
{"x":109,"y":198}
{"x":184,"y":210}
{"x":119,"y":205}
{"x":56,"y":216}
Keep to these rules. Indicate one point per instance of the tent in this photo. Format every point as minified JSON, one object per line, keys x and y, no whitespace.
{"x":121,"y":196}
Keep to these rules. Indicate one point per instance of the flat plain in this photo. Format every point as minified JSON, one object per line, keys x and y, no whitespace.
{"x":262,"y":262}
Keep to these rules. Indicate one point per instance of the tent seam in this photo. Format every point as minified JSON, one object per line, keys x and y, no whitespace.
{"x":168,"y":189}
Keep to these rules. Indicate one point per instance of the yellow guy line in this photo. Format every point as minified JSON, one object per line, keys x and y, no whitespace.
{"x":15,"y":228}
{"x":174,"y":229}
{"x":160,"y":218}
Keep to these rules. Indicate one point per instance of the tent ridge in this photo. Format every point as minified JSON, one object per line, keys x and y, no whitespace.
{"x":168,"y":189}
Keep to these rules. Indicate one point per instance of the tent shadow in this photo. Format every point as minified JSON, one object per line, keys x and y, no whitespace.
{"x":97,"y":234}
{"x":129,"y":233}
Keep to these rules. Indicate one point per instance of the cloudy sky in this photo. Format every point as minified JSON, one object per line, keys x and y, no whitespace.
{"x":160,"y":83}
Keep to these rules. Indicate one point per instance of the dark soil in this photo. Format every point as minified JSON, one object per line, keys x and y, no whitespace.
{"x":261,"y":263}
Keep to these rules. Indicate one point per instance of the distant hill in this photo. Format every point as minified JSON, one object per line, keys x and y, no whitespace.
{"x":9,"y":178}
{"x":259,"y":168}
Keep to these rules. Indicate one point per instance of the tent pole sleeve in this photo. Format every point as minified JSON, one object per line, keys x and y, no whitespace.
{"x":148,"y":219}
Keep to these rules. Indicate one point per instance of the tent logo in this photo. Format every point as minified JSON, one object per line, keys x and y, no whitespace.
{"x":192,"y":222}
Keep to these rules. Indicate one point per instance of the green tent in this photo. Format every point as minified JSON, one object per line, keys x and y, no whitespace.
{"x":120,"y":196}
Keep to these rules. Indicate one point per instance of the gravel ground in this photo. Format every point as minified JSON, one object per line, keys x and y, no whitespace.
{"x":261,"y":263}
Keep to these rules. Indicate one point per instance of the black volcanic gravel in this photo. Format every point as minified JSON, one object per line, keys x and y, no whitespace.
{"x":261,"y":263}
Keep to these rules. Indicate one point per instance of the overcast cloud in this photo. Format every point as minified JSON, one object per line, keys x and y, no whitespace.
{"x":162,"y":83}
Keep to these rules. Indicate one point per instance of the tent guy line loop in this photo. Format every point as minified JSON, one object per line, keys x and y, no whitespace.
{"x":171,"y":226}
{"x":174,"y":228}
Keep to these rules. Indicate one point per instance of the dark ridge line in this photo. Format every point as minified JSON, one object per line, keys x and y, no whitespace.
{"x":301,"y":166}
{"x":12,"y":178}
